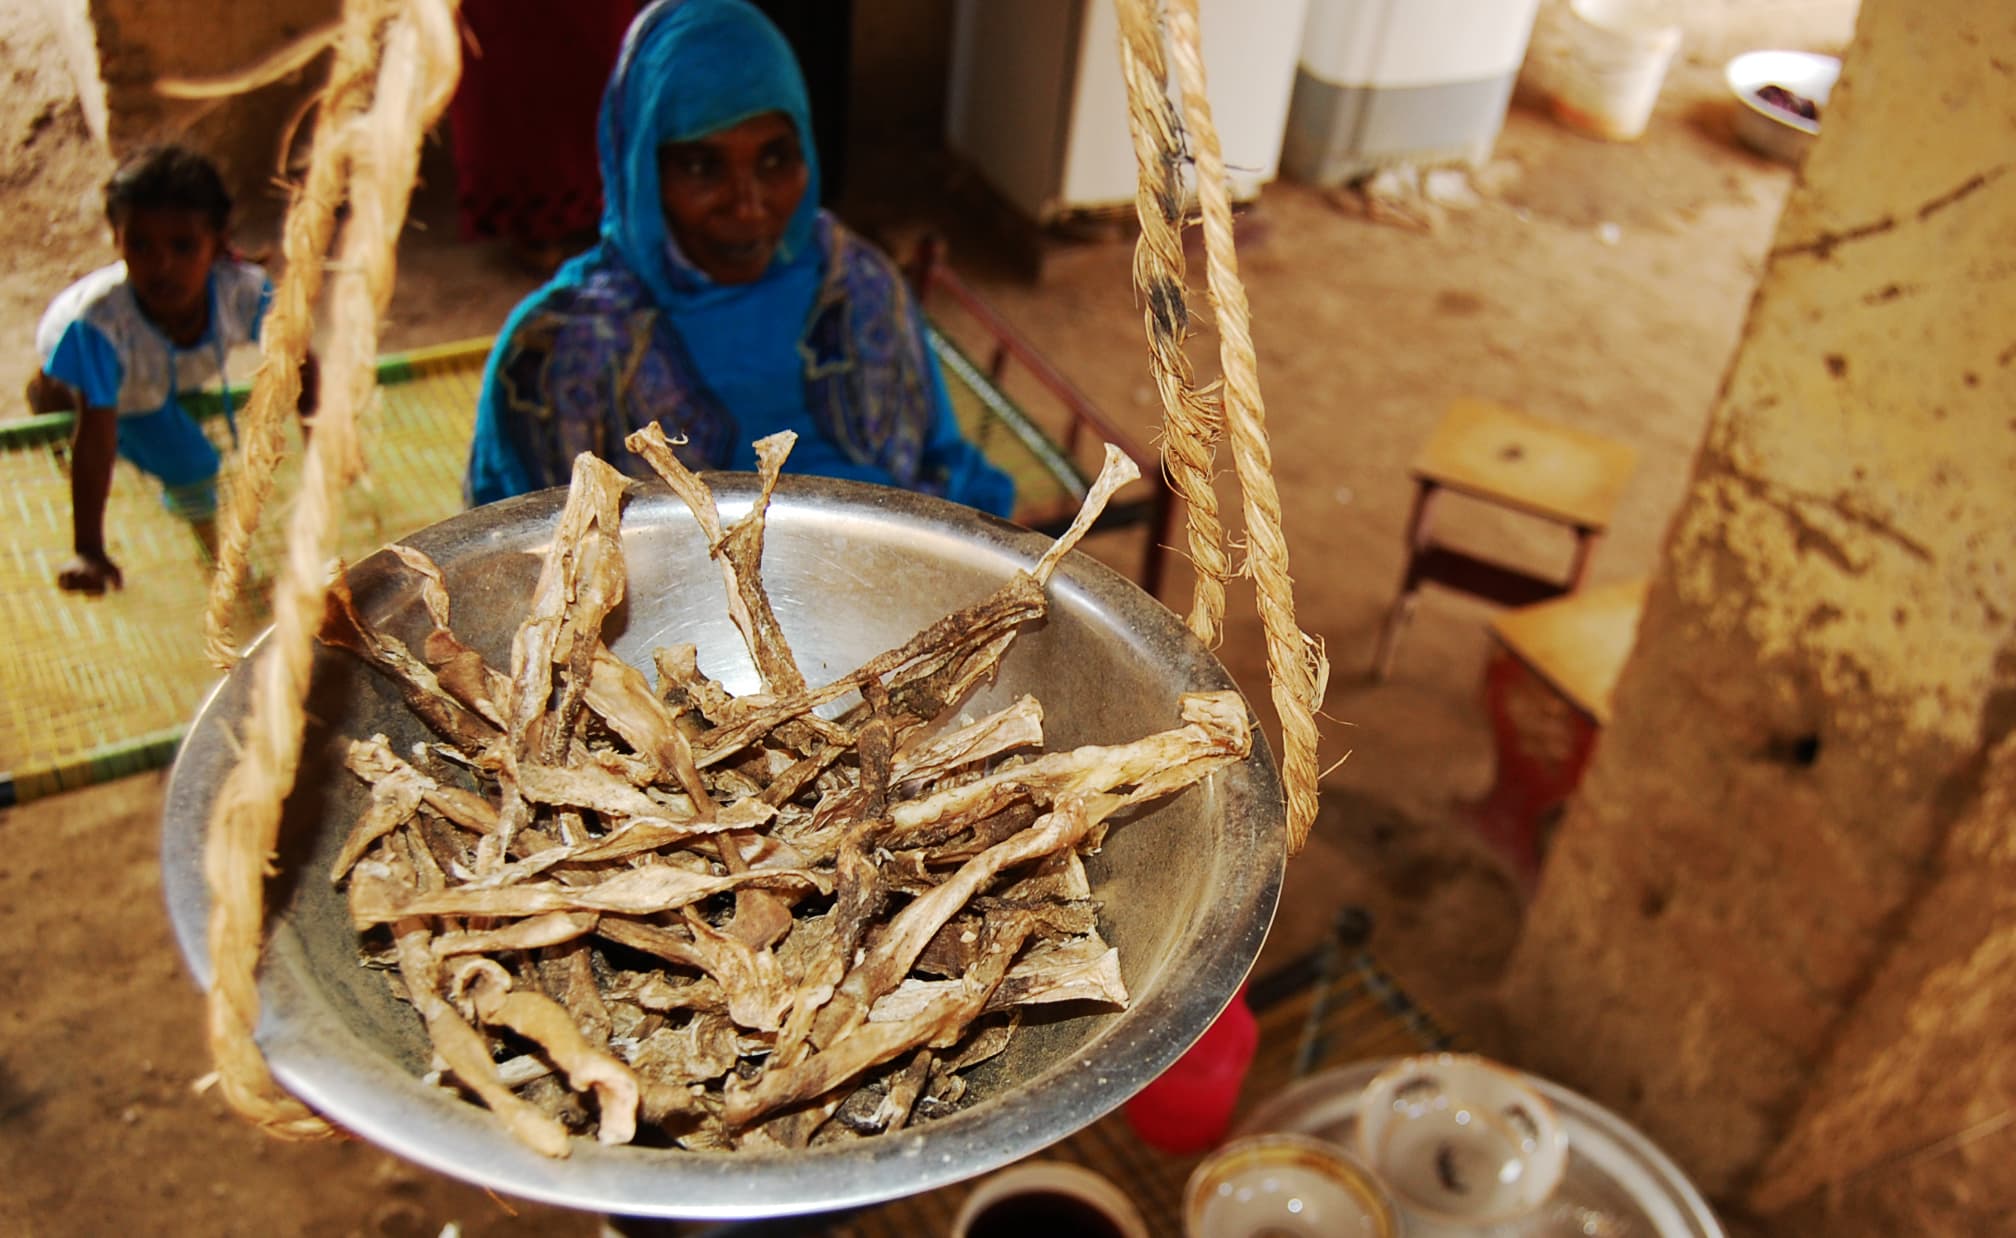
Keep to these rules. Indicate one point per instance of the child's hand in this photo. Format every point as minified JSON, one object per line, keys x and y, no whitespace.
{"x":89,"y":574}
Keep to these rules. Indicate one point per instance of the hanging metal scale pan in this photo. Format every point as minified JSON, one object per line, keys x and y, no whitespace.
{"x":1186,"y":890}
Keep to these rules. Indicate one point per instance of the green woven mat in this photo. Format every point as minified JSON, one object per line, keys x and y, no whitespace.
{"x":97,"y":688}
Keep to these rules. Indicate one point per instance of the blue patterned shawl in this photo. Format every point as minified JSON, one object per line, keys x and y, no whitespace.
{"x":828,"y":343}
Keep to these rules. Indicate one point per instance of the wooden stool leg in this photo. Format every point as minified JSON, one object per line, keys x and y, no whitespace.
{"x":1410,"y":580}
{"x":1389,"y":632}
{"x":1585,"y":546}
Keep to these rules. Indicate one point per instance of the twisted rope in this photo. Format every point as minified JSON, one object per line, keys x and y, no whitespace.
{"x":1191,"y":420}
{"x":1296,"y":668}
{"x":288,"y":59}
{"x":284,"y":337}
{"x":418,"y":65}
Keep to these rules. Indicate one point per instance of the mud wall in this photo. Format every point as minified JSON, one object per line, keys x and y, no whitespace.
{"x":119,"y":49}
{"x":1778,"y":928}
{"x":71,"y":20}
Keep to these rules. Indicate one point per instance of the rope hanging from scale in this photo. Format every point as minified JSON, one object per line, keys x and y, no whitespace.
{"x":413,"y":52}
{"x":1297,"y":670}
{"x":395,"y":66}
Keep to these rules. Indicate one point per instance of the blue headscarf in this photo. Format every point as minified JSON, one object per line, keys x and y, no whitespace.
{"x":828,"y":343}
{"x":690,"y":68}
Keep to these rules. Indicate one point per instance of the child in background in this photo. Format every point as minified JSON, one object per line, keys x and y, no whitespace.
{"x":121,"y":346}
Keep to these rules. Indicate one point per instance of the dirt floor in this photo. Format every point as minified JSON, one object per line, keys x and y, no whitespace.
{"x":1602,"y":285}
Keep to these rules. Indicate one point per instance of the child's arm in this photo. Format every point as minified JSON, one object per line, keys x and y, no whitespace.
{"x":92,"y":449}
{"x":86,"y":369}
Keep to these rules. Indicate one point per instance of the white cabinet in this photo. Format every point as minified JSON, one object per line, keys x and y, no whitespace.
{"x":1386,"y":81}
{"x":1038,"y":107}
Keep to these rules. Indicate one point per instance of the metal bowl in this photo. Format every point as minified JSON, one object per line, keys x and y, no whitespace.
{"x":1765,"y":127}
{"x":1188,"y":889}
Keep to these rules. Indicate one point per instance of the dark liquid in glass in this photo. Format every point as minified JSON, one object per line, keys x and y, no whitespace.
{"x":1048,"y":1214}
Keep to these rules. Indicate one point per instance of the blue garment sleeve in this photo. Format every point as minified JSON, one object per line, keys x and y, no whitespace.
{"x":85,"y":359}
{"x":549,"y":394}
{"x":970,"y":478}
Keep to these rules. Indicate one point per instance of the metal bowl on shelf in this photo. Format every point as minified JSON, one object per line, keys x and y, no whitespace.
{"x":1187,"y":890}
{"x":1774,"y":90}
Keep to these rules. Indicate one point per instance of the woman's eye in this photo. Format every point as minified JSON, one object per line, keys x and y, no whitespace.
{"x":692,"y":166}
{"x":779,"y":160}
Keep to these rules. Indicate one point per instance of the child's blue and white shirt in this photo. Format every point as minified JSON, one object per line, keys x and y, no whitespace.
{"x":95,"y":338}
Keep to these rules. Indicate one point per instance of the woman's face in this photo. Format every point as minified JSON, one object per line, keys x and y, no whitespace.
{"x":728,"y":195}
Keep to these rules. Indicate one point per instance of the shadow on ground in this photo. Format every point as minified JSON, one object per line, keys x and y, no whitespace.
{"x":1444,"y":911}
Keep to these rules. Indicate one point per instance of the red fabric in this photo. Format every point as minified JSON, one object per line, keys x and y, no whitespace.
{"x":1543,"y":746}
{"x":1188,"y":1107}
{"x":522,"y":123}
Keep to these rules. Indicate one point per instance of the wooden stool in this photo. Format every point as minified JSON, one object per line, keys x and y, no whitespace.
{"x":1547,"y":690}
{"x":1520,"y":462}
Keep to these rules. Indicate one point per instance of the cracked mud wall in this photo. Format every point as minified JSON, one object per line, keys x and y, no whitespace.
{"x":118,"y":49}
{"x":1778,"y":928}
{"x":71,"y":22}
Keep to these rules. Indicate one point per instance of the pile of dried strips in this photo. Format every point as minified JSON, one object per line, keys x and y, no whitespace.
{"x":681,"y":916}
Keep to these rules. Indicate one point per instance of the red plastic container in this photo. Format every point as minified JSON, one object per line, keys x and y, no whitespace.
{"x":1189,"y":1106}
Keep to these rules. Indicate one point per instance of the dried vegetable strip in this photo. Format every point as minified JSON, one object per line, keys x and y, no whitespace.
{"x":738,"y":548}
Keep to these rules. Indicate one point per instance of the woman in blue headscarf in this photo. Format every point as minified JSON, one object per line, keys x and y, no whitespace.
{"x":721,"y":302}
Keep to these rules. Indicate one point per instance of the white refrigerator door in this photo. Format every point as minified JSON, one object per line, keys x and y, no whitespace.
{"x":1250,"y":51}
